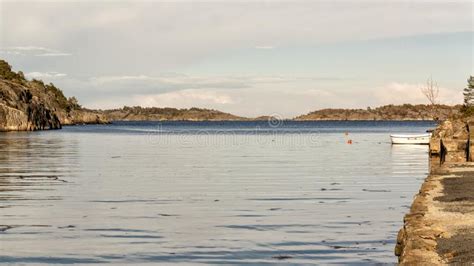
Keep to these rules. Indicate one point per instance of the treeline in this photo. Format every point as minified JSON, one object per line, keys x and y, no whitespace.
{"x":387,"y":112}
{"x":167,"y":113}
{"x":38,"y":86}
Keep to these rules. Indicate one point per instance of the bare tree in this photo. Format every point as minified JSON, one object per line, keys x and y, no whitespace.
{"x":431,"y":91}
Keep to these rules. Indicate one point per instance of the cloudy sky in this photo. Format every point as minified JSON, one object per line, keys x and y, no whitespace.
{"x":245,"y":57}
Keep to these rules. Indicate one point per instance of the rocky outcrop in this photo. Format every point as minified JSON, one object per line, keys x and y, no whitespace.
{"x":450,"y":141}
{"x":12,"y":119}
{"x":31,"y":105}
{"x":21,"y":110}
{"x":41,"y":118}
{"x":83,"y":116}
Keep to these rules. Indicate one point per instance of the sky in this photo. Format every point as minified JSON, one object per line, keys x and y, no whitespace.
{"x":248,"y":58}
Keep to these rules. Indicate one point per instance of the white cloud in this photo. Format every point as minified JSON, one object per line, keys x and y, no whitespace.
{"x":241,"y":95}
{"x":28,"y":48}
{"x":264,"y":47}
{"x":40,"y":75}
{"x":11,"y":52}
{"x":168,"y":82}
{"x":258,"y":98}
{"x":165,"y":82}
{"x":400,"y":93}
{"x":33,"y":51}
{"x":54,"y":54}
{"x":250,"y":96}
{"x":223,"y":81}
{"x":186,"y":98}
{"x":249,"y":102}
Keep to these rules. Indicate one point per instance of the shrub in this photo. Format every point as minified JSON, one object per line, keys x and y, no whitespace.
{"x":468,"y":107}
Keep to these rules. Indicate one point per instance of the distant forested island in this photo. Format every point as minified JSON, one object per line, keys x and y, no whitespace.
{"x":33,"y":105}
{"x":387,"y":112}
{"x":138,"y":113}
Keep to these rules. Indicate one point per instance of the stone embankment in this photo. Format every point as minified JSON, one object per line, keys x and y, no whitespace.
{"x":439,"y":229}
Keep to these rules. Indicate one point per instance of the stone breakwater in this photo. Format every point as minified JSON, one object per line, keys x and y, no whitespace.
{"x":439,"y":228}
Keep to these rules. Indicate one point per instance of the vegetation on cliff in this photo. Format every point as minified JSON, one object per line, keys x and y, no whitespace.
{"x":387,"y":112}
{"x":32,"y":105}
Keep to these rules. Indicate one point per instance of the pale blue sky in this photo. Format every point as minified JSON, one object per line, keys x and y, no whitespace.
{"x":381,"y":59}
{"x":248,"y":58}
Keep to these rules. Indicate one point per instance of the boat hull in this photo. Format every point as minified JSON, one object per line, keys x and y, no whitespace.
{"x":411,"y":139}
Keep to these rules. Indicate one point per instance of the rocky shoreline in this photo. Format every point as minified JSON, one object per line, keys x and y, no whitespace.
{"x":30,"y":107}
{"x":439,"y":228}
{"x":27,"y":105}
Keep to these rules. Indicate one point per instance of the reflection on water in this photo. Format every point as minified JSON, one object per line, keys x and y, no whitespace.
{"x":116,"y":194}
{"x":29,"y":164}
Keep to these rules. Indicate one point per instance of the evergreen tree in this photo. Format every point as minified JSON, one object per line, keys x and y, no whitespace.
{"x":469,"y":93}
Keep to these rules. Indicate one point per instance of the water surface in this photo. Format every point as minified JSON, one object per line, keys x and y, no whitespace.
{"x":207,"y":192}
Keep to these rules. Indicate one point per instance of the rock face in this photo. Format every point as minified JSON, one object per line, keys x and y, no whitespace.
{"x":12,"y":119}
{"x":450,"y":141}
{"x":31,"y":105}
{"x":20,"y":110}
{"x":82,"y":116}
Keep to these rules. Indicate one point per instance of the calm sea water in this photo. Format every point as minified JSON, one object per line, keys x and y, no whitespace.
{"x":207,"y":192}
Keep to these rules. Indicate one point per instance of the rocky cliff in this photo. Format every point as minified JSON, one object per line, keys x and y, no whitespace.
{"x":32,"y":105}
{"x":387,"y":112}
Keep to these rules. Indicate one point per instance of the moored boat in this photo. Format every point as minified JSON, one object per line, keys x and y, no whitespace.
{"x":420,"y":139}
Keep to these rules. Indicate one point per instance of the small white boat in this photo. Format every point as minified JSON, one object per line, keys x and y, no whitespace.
{"x":421,"y":139}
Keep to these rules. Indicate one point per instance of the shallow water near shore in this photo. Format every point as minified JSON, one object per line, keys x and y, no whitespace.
{"x":207,"y":192}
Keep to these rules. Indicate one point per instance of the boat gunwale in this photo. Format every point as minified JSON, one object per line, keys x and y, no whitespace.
{"x":410,"y":136}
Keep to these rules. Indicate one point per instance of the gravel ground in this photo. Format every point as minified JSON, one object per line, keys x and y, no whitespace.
{"x":439,"y":229}
{"x":458,"y":196}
